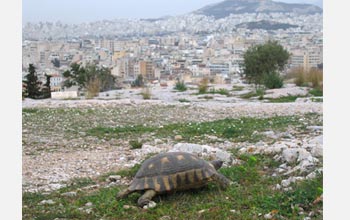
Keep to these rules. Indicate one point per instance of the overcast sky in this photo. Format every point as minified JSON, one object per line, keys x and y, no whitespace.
{"x":78,"y":11}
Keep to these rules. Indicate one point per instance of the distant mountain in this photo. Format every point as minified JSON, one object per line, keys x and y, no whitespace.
{"x":227,"y":7}
{"x":266,"y":25}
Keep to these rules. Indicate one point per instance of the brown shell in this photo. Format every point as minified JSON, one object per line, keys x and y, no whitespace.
{"x":172,"y":171}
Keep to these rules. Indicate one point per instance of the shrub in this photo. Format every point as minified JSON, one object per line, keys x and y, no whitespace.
{"x":203,"y":86}
{"x":146,"y":93}
{"x":273,"y":80}
{"x":180,"y":86}
{"x":315,"y":77}
{"x":135,"y":144}
{"x":93,"y":88}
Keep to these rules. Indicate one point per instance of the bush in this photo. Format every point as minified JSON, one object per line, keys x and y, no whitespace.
{"x":146,"y":93}
{"x":180,"y":86}
{"x":93,"y":88}
{"x":299,"y":76}
{"x":203,"y":86}
{"x":135,"y":144}
{"x":315,"y":77}
{"x":273,"y":80}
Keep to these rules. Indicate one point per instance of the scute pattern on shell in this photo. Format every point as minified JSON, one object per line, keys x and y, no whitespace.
{"x":172,"y":171}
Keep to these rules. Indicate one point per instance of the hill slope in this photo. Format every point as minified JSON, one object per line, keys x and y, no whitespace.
{"x":225,"y":8}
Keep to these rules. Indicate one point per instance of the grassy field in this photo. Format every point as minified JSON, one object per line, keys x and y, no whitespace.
{"x":251,"y":197}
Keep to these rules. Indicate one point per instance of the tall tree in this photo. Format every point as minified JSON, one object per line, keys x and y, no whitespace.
{"x":264,"y":61}
{"x":32,"y":83}
{"x":46,"y":90}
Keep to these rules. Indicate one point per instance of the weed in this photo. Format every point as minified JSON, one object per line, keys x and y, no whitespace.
{"x":180,"y":86}
{"x":203,"y":86}
{"x":135,"y":144}
{"x":146,"y":93}
{"x":237,"y":88}
{"x":184,"y":100}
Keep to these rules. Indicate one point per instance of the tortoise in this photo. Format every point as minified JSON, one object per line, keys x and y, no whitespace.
{"x":170,"y":172}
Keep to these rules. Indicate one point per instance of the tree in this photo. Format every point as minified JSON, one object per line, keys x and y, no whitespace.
{"x":260,"y":61}
{"x":139,"y":82}
{"x":46,"y":90}
{"x":32,"y":84}
{"x":56,"y":62}
{"x":83,"y":76}
{"x":75,"y":76}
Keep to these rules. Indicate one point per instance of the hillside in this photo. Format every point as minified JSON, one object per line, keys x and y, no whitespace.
{"x":225,"y":8}
{"x":266,"y":25}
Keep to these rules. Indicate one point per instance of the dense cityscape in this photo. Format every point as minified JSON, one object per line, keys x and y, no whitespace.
{"x":187,"y":47}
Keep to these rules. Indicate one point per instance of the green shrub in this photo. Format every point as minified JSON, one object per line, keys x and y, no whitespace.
{"x":273,"y":80}
{"x":180,"y":86}
{"x":135,"y":144}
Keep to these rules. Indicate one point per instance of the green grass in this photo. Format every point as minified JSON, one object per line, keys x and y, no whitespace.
{"x":207,"y":97}
{"x":316,"y":92}
{"x":221,"y":91}
{"x":184,"y":100}
{"x":234,"y":129}
{"x":282,"y":99}
{"x":251,"y":197}
{"x":237,"y":88}
{"x":30,"y":110}
{"x":315,"y":99}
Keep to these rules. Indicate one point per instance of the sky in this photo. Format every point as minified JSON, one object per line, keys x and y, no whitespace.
{"x":79,"y":11}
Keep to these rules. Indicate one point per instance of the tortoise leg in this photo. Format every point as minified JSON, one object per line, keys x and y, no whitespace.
{"x":145,"y":200}
{"x":222,"y":180}
{"x":124,"y":193}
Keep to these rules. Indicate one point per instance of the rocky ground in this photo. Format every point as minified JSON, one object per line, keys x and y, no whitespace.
{"x":57,"y":149}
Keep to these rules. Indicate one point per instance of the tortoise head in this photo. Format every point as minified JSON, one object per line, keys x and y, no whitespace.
{"x":217,"y":163}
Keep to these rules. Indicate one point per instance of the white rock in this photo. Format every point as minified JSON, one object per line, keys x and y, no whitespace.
{"x":49,"y":202}
{"x":114,"y":178}
{"x":268,"y":216}
{"x":203,"y":150}
{"x":69,"y":194}
{"x":150,"y":205}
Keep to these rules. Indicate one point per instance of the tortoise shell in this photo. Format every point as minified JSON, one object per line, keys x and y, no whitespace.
{"x":172,"y":171}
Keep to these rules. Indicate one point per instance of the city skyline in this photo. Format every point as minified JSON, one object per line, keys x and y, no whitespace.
{"x":80,"y":11}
